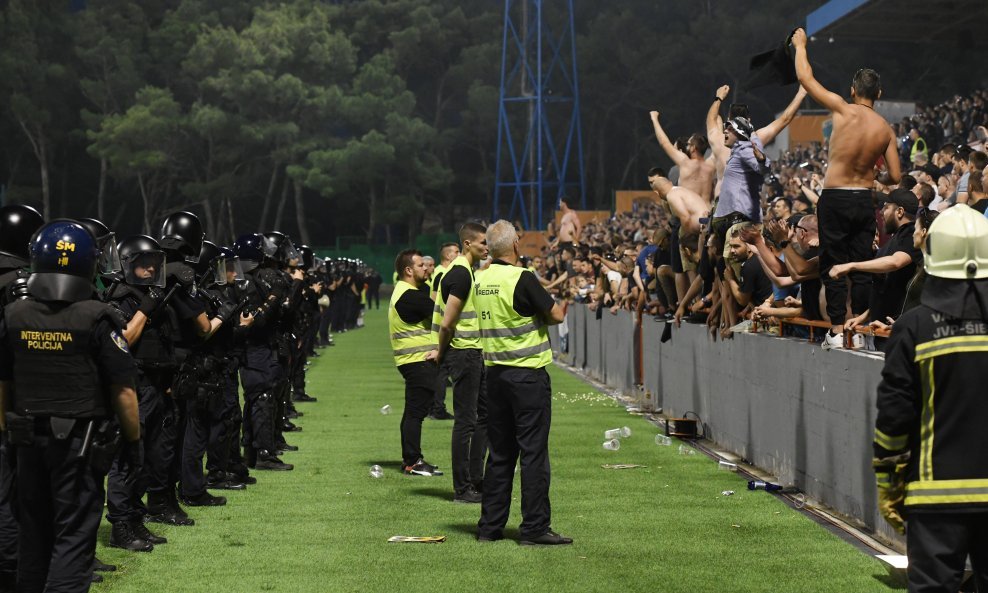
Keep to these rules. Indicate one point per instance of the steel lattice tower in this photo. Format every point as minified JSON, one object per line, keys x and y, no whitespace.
{"x":539,"y":139}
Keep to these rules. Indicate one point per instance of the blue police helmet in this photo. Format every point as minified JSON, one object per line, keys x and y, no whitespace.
{"x":63,"y":262}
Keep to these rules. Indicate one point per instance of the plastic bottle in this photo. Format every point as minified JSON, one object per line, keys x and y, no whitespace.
{"x":663,"y":440}
{"x":617,"y":433}
{"x":376,"y":471}
{"x":727,"y":466}
{"x":386,"y":409}
{"x":766,"y":486}
{"x":612,"y":445}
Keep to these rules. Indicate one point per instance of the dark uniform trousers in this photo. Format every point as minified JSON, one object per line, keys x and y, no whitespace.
{"x":420,"y":383}
{"x":224,"y":438}
{"x":469,"y":443}
{"x":259,"y":377}
{"x":71,"y":510}
{"x":519,"y":402}
{"x":199,"y":421}
{"x":158,"y":438}
{"x":938,"y":545}
{"x":442,"y":382}
{"x":8,"y":524}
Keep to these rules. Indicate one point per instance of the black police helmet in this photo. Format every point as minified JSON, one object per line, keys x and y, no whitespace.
{"x":109,"y":259}
{"x":63,"y":262}
{"x":308,"y":257}
{"x":286,"y":249}
{"x":254,"y":249}
{"x":207,"y":255}
{"x":182,"y":233}
{"x":18,"y":223}
{"x":142,"y":251}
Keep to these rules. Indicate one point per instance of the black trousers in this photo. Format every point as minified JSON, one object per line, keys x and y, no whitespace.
{"x":224,"y":438}
{"x":442,"y":382}
{"x":420,"y":383}
{"x":324,"y":320}
{"x":8,"y":524}
{"x":846,"y":219}
{"x":59,"y":505}
{"x":938,"y":545}
{"x":125,"y":489}
{"x":469,"y":443}
{"x":519,"y":403}
{"x":260,"y":377}
{"x":199,"y":422}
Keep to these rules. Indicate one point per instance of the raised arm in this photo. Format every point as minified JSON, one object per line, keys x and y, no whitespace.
{"x":804,"y":72}
{"x":715,"y":126}
{"x":677,"y":156}
{"x":769,"y":132}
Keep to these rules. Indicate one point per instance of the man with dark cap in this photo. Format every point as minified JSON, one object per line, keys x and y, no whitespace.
{"x":895,"y":263}
{"x":930,"y":432}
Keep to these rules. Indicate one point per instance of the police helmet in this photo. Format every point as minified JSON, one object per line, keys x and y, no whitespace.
{"x":213,"y":263}
{"x":18,"y":223}
{"x":182,"y":233}
{"x":957,"y":245}
{"x":232,"y":265}
{"x":253,"y":250}
{"x":143,"y":261}
{"x":106,"y":241}
{"x":287,"y":254}
{"x":63,"y":262}
{"x":308,"y":257}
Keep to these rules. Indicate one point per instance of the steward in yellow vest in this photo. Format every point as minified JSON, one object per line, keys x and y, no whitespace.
{"x":414,"y":349}
{"x":458,"y":333}
{"x":514,"y":313}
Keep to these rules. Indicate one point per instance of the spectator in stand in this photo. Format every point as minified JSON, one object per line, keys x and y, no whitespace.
{"x":753,"y":287}
{"x":781,"y":208}
{"x":976,"y":191}
{"x":846,"y":217}
{"x":976,"y":161}
{"x":927,"y":196}
{"x":895,"y":263}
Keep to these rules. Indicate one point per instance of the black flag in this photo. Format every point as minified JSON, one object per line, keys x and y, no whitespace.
{"x":772,"y":67}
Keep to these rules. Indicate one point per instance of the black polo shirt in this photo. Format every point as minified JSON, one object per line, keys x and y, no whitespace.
{"x":529,"y":298}
{"x":414,"y":306}
{"x":888,"y":291}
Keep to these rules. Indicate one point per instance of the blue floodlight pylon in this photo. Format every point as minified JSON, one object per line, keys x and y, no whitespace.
{"x":539,"y":137}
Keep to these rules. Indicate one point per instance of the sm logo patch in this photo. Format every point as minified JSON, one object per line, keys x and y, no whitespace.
{"x":65,"y":247}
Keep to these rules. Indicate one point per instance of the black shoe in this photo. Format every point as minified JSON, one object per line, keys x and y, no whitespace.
{"x":224,"y":481}
{"x":99,"y":566}
{"x":441,"y":415}
{"x":123,"y":536}
{"x":266,"y":461}
{"x":549,"y":538}
{"x":303,"y":397}
{"x":287,"y":426}
{"x":283,"y":447}
{"x":469,"y":496}
{"x":292,"y":414}
{"x":490,"y":538}
{"x":171,"y":518}
{"x":204,"y":500}
{"x":163,"y":507}
{"x":96,"y":578}
{"x":144,"y":533}
{"x":421,"y":468}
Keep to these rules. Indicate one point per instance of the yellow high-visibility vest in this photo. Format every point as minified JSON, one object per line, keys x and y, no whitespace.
{"x":467,"y":334}
{"x":409,"y":341}
{"x":509,"y":339}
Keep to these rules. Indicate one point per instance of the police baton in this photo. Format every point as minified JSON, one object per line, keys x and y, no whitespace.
{"x":86,"y":439}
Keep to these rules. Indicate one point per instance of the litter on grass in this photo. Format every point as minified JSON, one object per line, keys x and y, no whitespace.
{"x":621,"y":465}
{"x":415,"y":539}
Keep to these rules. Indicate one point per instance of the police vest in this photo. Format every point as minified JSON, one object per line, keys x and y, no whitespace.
{"x":409,"y":341}
{"x":156,"y":346}
{"x":55,"y":373}
{"x":508,"y":338}
{"x":467,"y":333}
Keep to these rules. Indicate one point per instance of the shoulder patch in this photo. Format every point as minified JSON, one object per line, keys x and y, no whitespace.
{"x":119,"y":341}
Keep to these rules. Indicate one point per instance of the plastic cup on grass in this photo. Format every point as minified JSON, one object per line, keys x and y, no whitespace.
{"x":617,"y":433}
{"x":376,"y":471}
{"x":612,"y":445}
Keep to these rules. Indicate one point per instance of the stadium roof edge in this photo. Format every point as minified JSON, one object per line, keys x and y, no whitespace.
{"x":830,"y":13}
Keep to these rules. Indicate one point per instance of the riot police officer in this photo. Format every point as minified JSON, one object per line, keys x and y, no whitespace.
{"x":65,"y":370}
{"x":108,"y":266}
{"x":259,"y":369}
{"x":151,"y":324}
{"x":17,"y":225}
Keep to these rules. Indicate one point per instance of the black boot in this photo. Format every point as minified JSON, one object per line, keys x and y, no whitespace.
{"x":269,"y":461}
{"x":123,"y":536}
{"x":163,"y":508}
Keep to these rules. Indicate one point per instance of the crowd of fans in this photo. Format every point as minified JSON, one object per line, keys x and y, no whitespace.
{"x":767,"y":269}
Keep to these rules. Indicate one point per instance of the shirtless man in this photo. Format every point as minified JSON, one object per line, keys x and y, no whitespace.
{"x":569,"y":225}
{"x":845,"y":213}
{"x":688,"y":206}
{"x":695,"y":172}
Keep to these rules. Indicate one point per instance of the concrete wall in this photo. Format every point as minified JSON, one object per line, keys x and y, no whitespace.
{"x":805,"y":415}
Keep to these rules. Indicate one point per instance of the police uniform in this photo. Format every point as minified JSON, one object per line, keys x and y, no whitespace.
{"x":410,"y":328}
{"x":60,"y":358}
{"x":512,"y":304}
{"x":930,"y":437}
{"x":466,"y":370}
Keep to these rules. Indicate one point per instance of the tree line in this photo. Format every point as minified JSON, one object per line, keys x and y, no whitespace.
{"x":375,"y":118}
